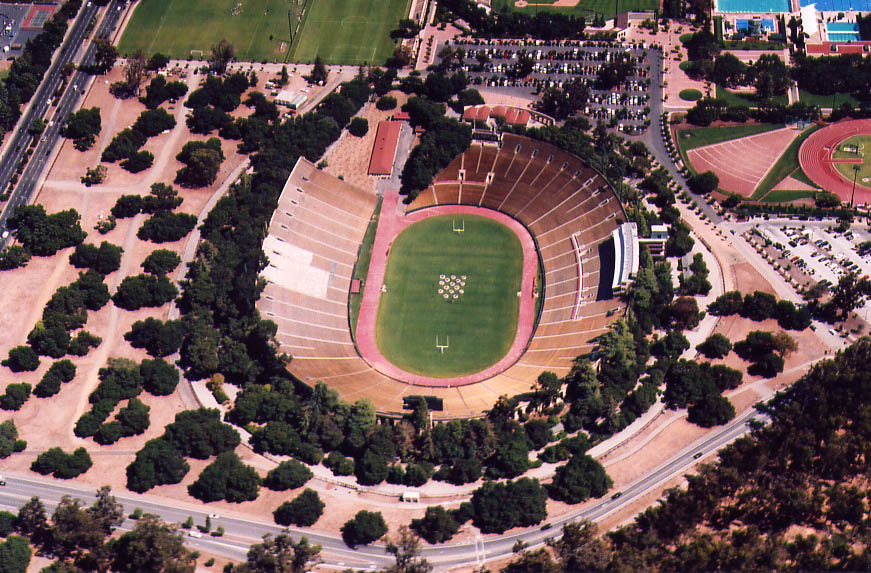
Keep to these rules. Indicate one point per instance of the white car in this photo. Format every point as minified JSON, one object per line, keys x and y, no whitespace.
{"x":214,"y":516}
{"x":194,"y":533}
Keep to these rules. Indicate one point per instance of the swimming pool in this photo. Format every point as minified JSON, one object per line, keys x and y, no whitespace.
{"x":839,"y":5}
{"x":755,"y":6}
{"x":842,"y":31}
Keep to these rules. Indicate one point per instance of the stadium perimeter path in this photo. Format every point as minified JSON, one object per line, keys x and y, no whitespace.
{"x":391,"y":223}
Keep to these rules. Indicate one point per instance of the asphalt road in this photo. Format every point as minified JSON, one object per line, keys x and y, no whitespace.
{"x":69,"y":100}
{"x":241,"y":532}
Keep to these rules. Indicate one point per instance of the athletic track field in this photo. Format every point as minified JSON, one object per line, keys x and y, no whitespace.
{"x":390,"y":225}
{"x":742,"y":163}
{"x":815,"y":157}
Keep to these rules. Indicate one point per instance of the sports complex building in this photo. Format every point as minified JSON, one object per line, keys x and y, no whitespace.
{"x":561,"y":217}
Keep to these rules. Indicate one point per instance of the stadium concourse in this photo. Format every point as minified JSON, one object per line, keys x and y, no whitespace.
{"x":318,"y":226}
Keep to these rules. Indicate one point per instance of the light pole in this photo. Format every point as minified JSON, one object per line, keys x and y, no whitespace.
{"x":853,"y":193}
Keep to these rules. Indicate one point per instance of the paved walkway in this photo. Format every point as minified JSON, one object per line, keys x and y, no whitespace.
{"x":391,"y":223}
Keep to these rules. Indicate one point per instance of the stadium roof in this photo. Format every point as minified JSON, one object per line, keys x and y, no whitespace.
{"x":512,"y":115}
{"x":625,"y":255}
{"x":384,"y":150}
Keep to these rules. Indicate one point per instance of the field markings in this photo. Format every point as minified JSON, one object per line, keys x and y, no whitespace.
{"x":160,"y":27}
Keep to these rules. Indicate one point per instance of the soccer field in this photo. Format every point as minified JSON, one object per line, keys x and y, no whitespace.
{"x":348,"y":31}
{"x":479,"y":324}
{"x":863,"y":143}
{"x":257,"y":28}
{"x":586,"y":8}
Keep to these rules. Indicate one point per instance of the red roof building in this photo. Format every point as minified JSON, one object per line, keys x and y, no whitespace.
{"x":835,"y":48}
{"x":384,"y":150}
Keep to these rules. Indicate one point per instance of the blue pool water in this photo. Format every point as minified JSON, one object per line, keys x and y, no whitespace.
{"x":842,"y":31}
{"x":744,"y":24}
{"x":840,"y":5}
{"x":756,"y":6}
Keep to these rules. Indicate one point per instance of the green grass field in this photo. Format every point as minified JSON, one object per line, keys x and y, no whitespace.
{"x":348,"y":31}
{"x":175,"y":27}
{"x":583,"y":8}
{"x":863,"y":142}
{"x":750,"y":100}
{"x":481,"y":322}
{"x":786,"y":165}
{"x":361,"y":269}
{"x":693,"y":138}
{"x":826,"y":100}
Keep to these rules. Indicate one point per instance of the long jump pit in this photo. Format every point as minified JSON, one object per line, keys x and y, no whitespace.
{"x":838,"y":159}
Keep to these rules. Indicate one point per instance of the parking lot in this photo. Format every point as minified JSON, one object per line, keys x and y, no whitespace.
{"x":818,"y":251}
{"x":12,"y":37}
{"x":498,"y":65}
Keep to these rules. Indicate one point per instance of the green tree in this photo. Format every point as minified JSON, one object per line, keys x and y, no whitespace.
{"x":158,"y":463}
{"x":405,"y":546}
{"x":226,"y":478}
{"x":43,"y":234}
{"x":580,"y":479}
{"x":161,"y":262}
{"x":13,"y":257}
{"x":436,"y":526}
{"x":221,"y":54}
{"x":304,"y":510}
{"x":358,"y":127}
{"x":280,"y":553}
{"x":715,"y":346}
{"x":15,"y":555}
{"x":289,"y":474}
{"x":158,"y":377}
{"x":152,"y":545}
{"x":364,"y":528}
{"x":15,"y":396}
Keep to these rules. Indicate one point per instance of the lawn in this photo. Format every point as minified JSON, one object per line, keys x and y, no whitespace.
{"x":693,"y":138}
{"x":348,"y":31}
{"x":863,"y":143}
{"x":749,"y":100}
{"x":783,"y":196}
{"x":785,"y":166}
{"x":361,"y":269}
{"x":826,"y":100}
{"x":258,"y":29}
{"x":584,"y":8}
{"x":481,"y":322}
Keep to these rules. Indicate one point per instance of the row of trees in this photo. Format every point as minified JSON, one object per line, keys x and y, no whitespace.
{"x":708,"y":110}
{"x":760,"y":306}
{"x":125,"y":146}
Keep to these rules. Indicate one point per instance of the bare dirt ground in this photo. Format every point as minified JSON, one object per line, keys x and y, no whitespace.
{"x":349,"y":157}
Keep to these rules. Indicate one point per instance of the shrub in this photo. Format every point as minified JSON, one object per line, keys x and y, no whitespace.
{"x":690,"y":94}
{"x":303,"y":511}
{"x":290,"y":474}
{"x":358,"y":127}
{"x":62,"y":465}
{"x":21,"y":359}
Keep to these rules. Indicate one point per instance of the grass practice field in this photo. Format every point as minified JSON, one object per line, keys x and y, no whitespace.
{"x":348,"y":31}
{"x":481,"y":321}
{"x":584,"y":8}
{"x":702,"y":136}
{"x":175,"y":27}
{"x":863,"y":144}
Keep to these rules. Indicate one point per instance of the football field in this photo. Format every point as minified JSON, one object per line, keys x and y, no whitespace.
{"x":348,"y":31}
{"x":451,"y":305}
{"x":257,"y":28}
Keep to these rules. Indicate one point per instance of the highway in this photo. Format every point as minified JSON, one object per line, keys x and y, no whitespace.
{"x":69,"y":100}
{"x":240,"y":532}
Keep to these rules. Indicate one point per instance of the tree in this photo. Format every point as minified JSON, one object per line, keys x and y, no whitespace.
{"x":58,"y":373}
{"x":728,"y":70}
{"x":437,"y":525}
{"x":405,"y":546}
{"x":61,"y":465}
{"x":289,"y":474}
{"x":133,"y":418}
{"x":304,"y":510}
{"x":202,"y":161}
{"x":221,"y":55}
{"x":161,"y":262}
{"x":52,"y":341}
{"x":784,"y":344}
{"x":684,"y":313}
{"x":358,"y":127}
{"x":319,"y":72}
{"x":152,"y":545}
{"x":107,"y":511}
{"x":105,"y":55}
{"x":139,"y":291}
{"x":166,"y":227}
{"x":152,"y":122}
{"x":364,"y":528}
{"x":15,"y":397}
{"x":83,"y":127}
{"x":280,"y":553}
{"x":501,"y":506}
{"x":31,"y":520}
{"x":226,"y":478}
{"x":715,"y":346}
{"x":43,"y":234}
{"x":579,"y":480}
{"x":703,"y":183}
{"x":711,"y":410}
{"x":158,"y":463}
{"x":8,"y":440}
{"x":201,"y":434}
{"x":159,"y":377}
{"x":135,"y":71}
{"x":104,"y":259}
{"x":13,"y":257}
{"x":158,"y":338}
{"x":157,"y":61}
{"x":386,"y":103}
{"x":15,"y":555}
{"x":138,"y":161}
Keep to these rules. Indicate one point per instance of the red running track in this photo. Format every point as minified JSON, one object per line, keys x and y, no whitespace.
{"x":390,"y":224}
{"x":815,"y":157}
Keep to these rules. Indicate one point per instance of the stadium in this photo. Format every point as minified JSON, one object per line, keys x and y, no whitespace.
{"x":508,"y":265}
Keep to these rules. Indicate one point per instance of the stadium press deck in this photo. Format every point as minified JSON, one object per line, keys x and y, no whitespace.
{"x":753,"y":6}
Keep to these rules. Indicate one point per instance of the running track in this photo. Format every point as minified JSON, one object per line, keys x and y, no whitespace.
{"x":814,"y":155}
{"x":390,"y":224}
{"x":742,"y":163}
